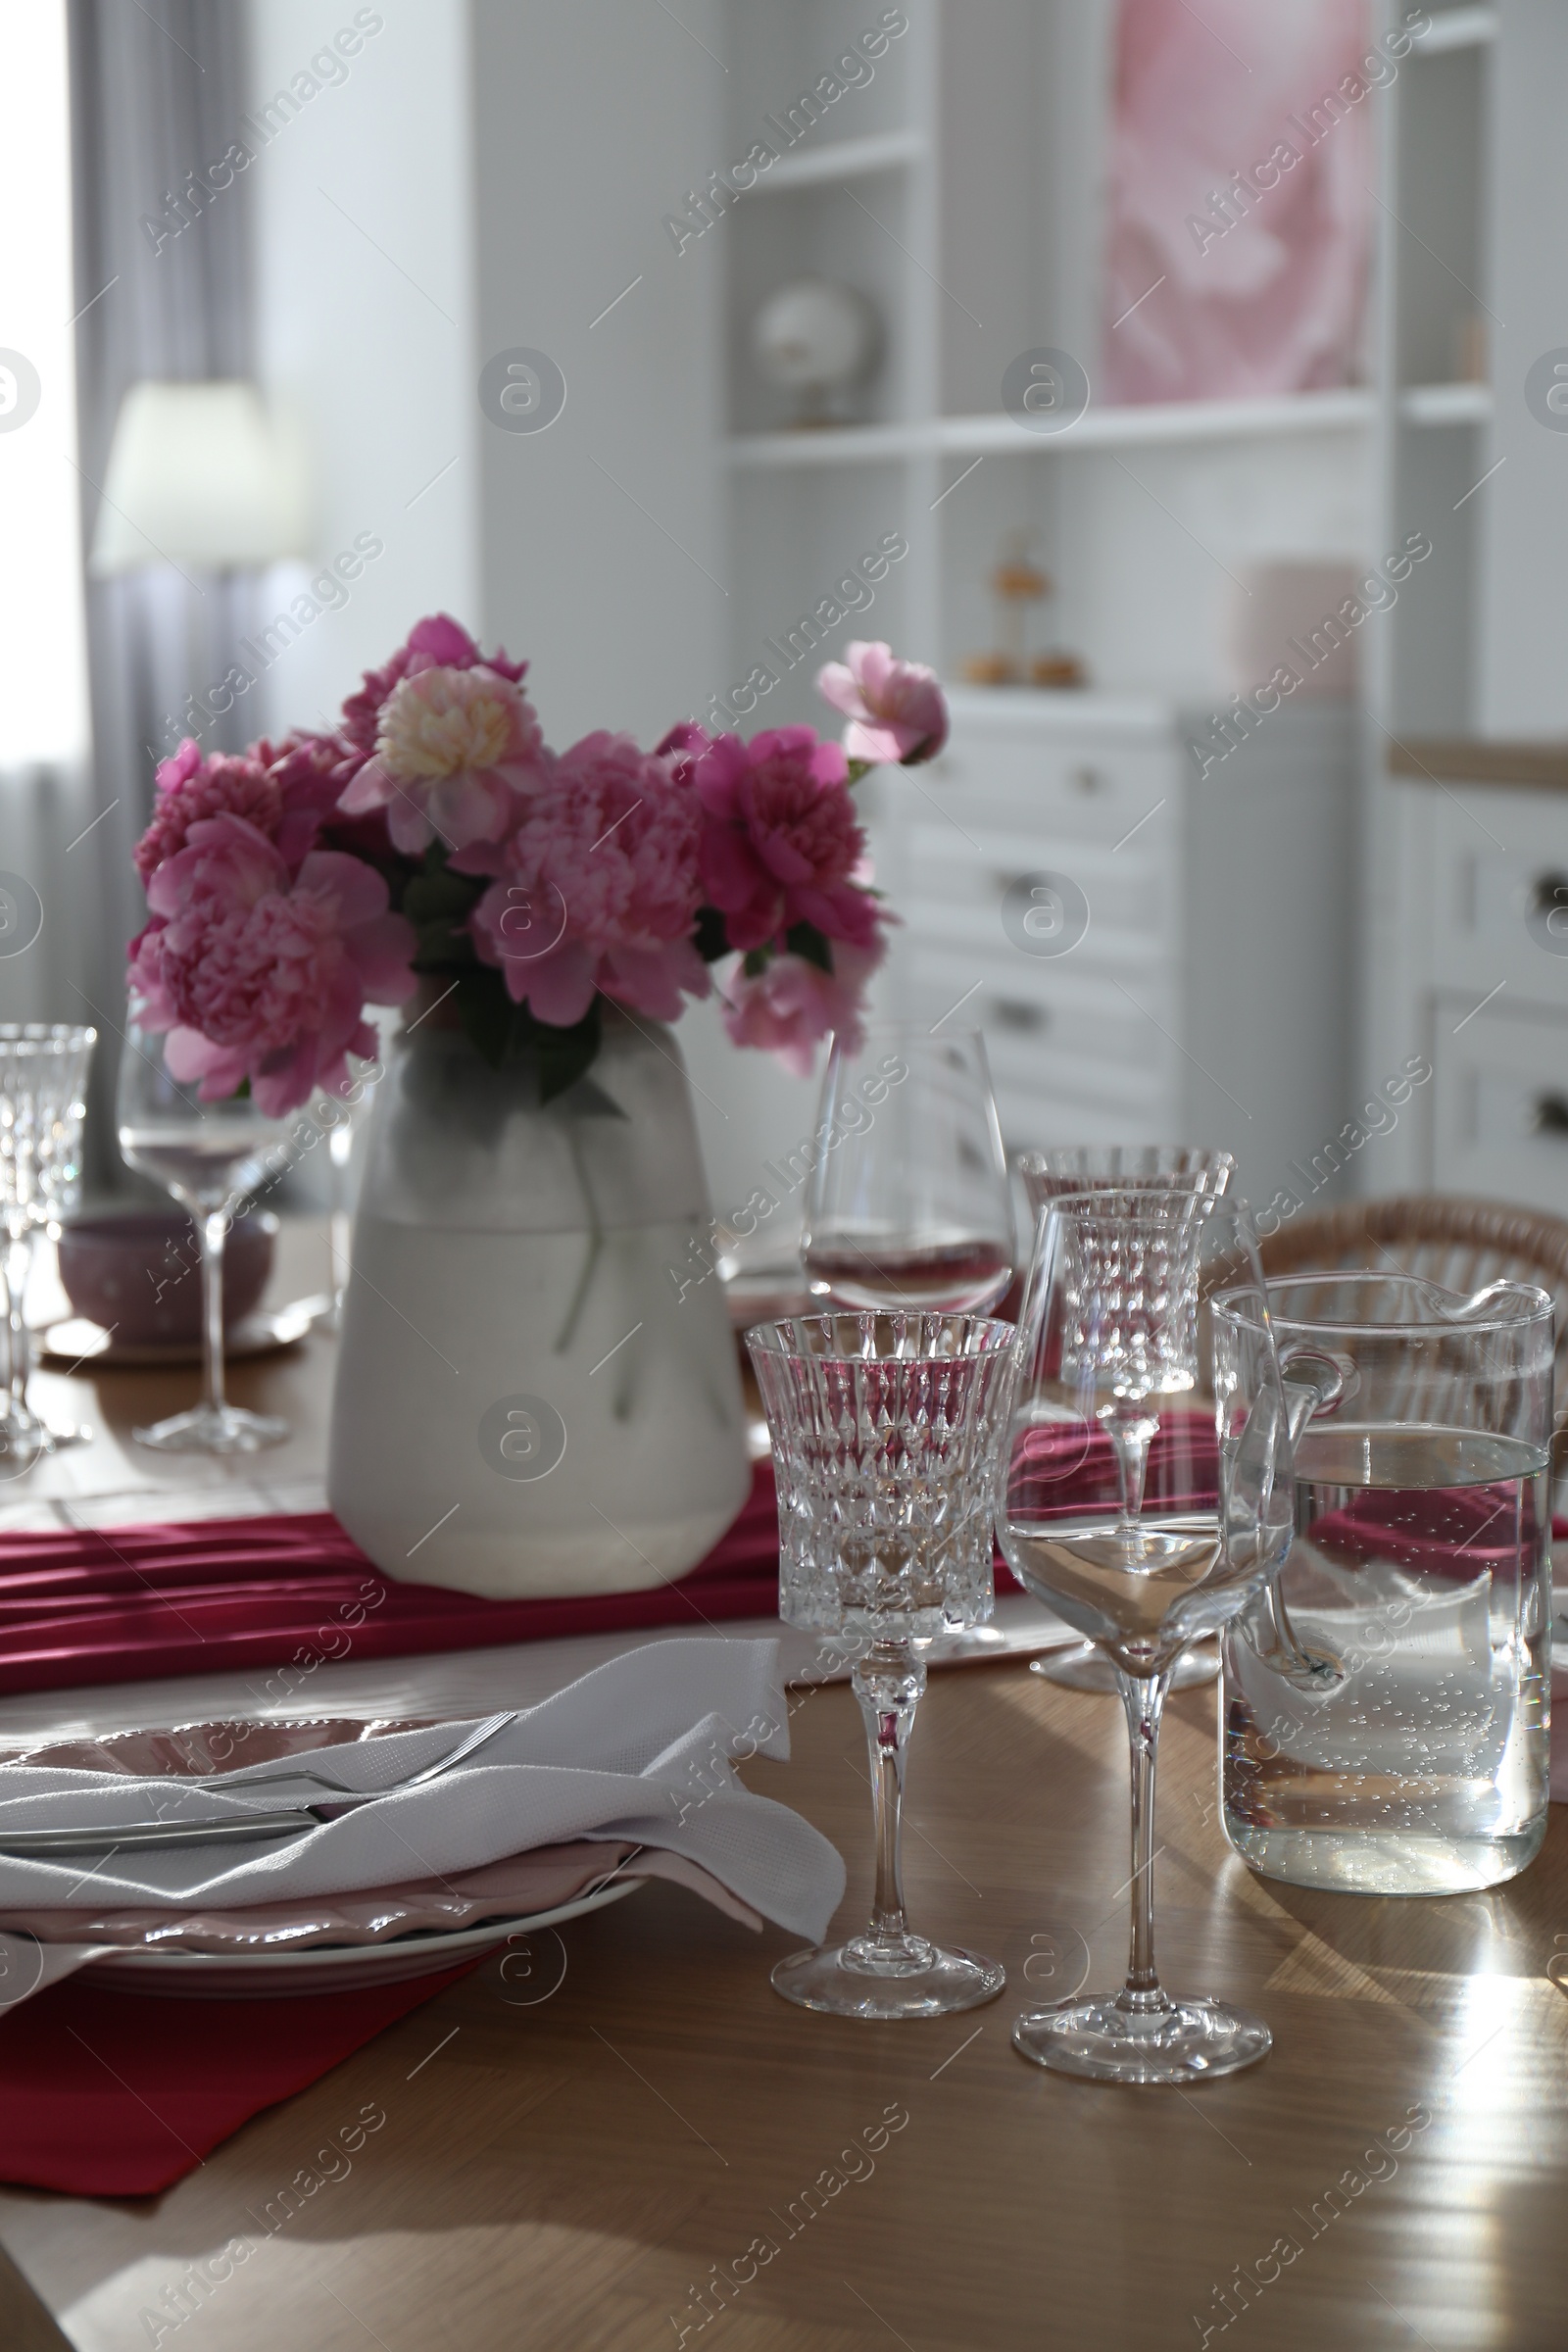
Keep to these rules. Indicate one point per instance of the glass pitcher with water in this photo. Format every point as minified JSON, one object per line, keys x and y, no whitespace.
{"x":1386,"y":1705}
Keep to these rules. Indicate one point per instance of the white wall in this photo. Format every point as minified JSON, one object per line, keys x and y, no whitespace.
{"x":604,"y":557}
{"x":364,"y":241}
{"x":602,"y":535}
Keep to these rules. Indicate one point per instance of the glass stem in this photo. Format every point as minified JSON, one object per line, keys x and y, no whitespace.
{"x":213,"y":1226}
{"x":889,"y":1683}
{"x":18,"y":1267}
{"x":1131,"y":1432}
{"x":1143,"y":1698}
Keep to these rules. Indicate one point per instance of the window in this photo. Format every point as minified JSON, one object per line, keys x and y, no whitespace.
{"x":43,"y":687}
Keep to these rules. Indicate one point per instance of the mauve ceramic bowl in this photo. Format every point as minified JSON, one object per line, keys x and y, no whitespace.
{"x":139,"y":1271}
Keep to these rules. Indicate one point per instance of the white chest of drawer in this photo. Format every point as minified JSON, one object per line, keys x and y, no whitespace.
{"x":1186,"y":975}
{"x":1488,"y":941}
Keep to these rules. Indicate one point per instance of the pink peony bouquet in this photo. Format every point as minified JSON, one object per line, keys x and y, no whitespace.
{"x":434,"y":838}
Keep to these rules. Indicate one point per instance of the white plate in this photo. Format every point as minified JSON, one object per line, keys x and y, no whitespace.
{"x":343,"y":1968}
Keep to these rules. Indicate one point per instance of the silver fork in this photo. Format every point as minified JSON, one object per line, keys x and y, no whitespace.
{"x":480,"y":1737}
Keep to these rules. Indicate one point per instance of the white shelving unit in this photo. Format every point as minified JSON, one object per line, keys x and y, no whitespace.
{"x":1467,"y":807}
{"x":960,"y":190}
{"x":841,"y":160}
{"x":1175,"y":424}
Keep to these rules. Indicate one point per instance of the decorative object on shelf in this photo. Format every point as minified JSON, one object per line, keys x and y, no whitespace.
{"x":1018,"y":583}
{"x":1472,"y":350}
{"x":1292,"y":625}
{"x":1240,"y":217}
{"x":818,"y":339}
{"x":524,"y":1402}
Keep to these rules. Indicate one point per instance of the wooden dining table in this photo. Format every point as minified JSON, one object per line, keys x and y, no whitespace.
{"x":615,"y":2137}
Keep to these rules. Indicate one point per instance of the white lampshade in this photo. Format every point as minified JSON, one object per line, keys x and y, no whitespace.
{"x":198,"y":473}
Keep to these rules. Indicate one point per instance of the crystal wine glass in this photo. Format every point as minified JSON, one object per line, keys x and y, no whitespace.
{"x":211,"y":1155}
{"x":1144,"y":1492}
{"x":1050,"y":1175}
{"x":885,"y":1434}
{"x":43,"y":1072}
{"x":910,"y":1205}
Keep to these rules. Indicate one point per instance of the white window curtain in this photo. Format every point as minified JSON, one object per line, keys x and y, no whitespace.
{"x":45,"y":796}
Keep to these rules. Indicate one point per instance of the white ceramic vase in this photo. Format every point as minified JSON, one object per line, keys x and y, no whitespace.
{"x":527,"y":1401}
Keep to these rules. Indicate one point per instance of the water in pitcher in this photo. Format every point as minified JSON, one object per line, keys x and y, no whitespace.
{"x":1405,"y":1752}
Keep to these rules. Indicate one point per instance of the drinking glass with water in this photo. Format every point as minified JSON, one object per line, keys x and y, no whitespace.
{"x":1387,"y":1706}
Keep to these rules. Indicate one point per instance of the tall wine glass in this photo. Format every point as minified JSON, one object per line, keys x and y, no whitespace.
{"x":211,"y":1155}
{"x":43,"y":1075}
{"x":910,"y":1206}
{"x":1051,"y":1175}
{"x":1144,"y":1492}
{"x":885,"y":1434}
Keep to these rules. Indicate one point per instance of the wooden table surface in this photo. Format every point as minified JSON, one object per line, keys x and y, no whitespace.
{"x":626,"y":2140}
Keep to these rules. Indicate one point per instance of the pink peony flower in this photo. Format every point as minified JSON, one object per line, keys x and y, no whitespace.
{"x":284,"y":790}
{"x":896,"y":709}
{"x":454,"y":749}
{"x":597,"y":888}
{"x":788,"y":1007}
{"x":194,"y":784}
{"x":683,"y":747}
{"x":435,"y":643}
{"x":782,"y":841}
{"x":260,"y":975}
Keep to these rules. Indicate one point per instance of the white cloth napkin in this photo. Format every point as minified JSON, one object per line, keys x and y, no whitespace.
{"x":639,"y":1750}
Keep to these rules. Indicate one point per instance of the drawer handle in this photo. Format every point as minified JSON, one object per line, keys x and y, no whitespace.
{"x":1551,"y":1116}
{"x":1013,"y":1012}
{"x":1088,"y":779}
{"x":1546,"y":914}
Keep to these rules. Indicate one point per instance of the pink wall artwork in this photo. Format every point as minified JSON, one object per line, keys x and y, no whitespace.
{"x":1239,"y":201}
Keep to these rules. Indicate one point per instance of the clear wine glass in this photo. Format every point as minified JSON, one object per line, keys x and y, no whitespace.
{"x":43,"y":1077}
{"x":211,"y":1155}
{"x":1051,"y":1175}
{"x":1144,"y":1492}
{"x":885,"y":1427}
{"x":910,"y":1205}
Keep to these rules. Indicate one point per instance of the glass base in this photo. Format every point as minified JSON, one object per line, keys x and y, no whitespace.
{"x":23,"y":1439}
{"x":1373,"y":1858}
{"x":1084,"y":1667}
{"x":1180,"y":2041}
{"x":206,"y":1428}
{"x":858,"y":1980}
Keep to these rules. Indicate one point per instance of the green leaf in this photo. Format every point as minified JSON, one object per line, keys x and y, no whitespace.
{"x":565,"y":1054}
{"x":488,"y":1015}
{"x":709,"y":938}
{"x":438,"y":949}
{"x":808,"y":942}
{"x":442,"y":897}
